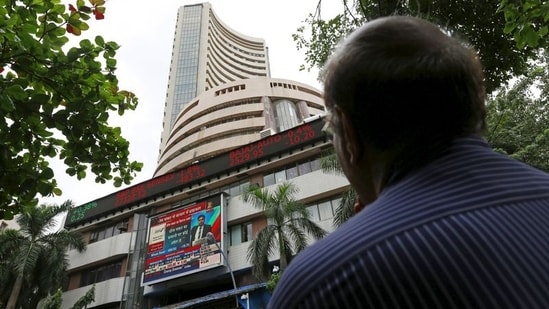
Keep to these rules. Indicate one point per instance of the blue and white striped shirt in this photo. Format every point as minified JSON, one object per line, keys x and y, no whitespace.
{"x":469,"y":230}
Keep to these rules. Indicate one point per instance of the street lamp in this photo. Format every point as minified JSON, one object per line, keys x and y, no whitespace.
{"x":211,"y":239}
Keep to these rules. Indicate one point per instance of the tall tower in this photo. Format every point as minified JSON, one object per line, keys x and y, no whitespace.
{"x":207,"y":53}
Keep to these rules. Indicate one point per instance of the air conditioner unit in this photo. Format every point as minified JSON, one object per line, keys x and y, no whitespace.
{"x":265,"y":133}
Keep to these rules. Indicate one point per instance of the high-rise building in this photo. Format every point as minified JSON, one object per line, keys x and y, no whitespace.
{"x":180,"y":239}
{"x":207,"y":53}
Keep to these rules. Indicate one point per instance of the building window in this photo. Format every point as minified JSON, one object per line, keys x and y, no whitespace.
{"x":291,"y":171}
{"x":107,"y":231}
{"x":269,"y":179}
{"x":323,"y":210}
{"x":100,"y":273}
{"x":241,"y":233}
{"x":285,"y":114}
{"x":237,"y":188}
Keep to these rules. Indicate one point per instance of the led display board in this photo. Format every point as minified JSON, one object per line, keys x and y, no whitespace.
{"x":184,"y":241}
{"x":294,"y":138}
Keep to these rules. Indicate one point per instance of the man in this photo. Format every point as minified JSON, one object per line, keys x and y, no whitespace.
{"x":449,"y":222}
{"x":200,"y":230}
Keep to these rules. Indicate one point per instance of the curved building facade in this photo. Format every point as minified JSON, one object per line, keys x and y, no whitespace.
{"x":235,"y":114}
{"x":206,"y":54}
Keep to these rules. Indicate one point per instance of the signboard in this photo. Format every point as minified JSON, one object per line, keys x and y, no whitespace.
{"x":267,"y":147}
{"x":184,"y":241}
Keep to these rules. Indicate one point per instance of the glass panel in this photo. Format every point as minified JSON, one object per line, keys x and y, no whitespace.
{"x":234,"y":190}
{"x":315,"y":164}
{"x":280,"y":176}
{"x":286,"y":114}
{"x":246,"y":232}
{"x":325,"y":210}
{"x":269,"y":179}
{"x":101,"y":235}
{"x":304,"y":168}
{"x":291,"y":172}
{"x":313,"y":210}
{"x":109,"y":231}
{"x":244,"y":186}
{"x":236,"y":235}
{"x":335,"y":204}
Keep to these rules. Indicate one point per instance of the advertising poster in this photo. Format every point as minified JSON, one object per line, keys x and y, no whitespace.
{"x":184,"y":241}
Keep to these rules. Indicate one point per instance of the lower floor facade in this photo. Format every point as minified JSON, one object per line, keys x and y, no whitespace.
{"x":143,"y":250}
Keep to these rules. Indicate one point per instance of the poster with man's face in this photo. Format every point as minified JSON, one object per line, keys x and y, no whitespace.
{"x":184,"y":241}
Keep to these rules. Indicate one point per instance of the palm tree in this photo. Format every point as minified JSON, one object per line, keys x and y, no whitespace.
{"x":288,"y":224}
{"x":33,"y":258}
{"x":345,"y":209}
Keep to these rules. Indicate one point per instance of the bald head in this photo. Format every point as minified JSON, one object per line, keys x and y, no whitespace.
{"x":402,"y":81}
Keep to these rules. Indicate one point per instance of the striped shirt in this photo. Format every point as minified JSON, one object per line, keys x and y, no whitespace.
{"x":469,"y":230}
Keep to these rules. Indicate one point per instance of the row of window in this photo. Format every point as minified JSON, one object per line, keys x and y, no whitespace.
{"x":100,"y":273}
{"x":324,"y":210}
{"x":109,"y":231}
{"x":286,"y":173}
{"x":319,"y":211}
{"x":291,"y":171}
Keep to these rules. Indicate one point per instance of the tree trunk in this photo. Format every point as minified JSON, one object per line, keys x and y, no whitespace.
{"x":12,"y":302}
{"x":283,"y":261}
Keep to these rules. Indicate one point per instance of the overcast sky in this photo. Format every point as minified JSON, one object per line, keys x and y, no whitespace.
{"x":145,"y":30}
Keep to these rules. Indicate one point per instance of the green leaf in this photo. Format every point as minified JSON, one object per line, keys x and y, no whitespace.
{"x":16,"y":92}
{"x":99,"y":41}
{"x":530,"y":36}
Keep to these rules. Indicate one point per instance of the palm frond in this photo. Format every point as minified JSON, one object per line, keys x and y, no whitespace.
{"x":260,"y":249}
{"x":298,"y":237}
{"x":329,"y":163}
{"x":345,"y":209}
{"x":285,"y":231}
{"x":311,"y":228}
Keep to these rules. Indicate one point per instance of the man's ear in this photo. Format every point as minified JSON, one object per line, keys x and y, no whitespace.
{"x":352,"y":144}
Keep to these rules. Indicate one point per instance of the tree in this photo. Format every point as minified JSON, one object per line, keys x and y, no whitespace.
{"x":33,"y":260}
{"x":518,"y":117}
{"x":56,"y":300}
{"x":55,"y":101}
{"x":288,"y":224}
{"x":526,"y":21}
{"x":479,"y":21}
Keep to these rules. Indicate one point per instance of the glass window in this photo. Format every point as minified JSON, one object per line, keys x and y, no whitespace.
{"x":247,"y":232}
{"x":313,"y":210}
{"x":315,"y":164}
{"x":93,"y":236}
{"x":241,"y":233}
{"x":325,"y":210}
{"x":291,"y":172}
{"x":109,"y":231}
{"x":280,"y":176}
{"x":236,"y":235}
{"x":101,"y":235}
{"x":286,"y":114}
{"x":100,"y":273}
{"x":335,"y":203}
{"x":244,"y":186}
{"x":234,"y":190}
{"x":304,"y":168}
{"x":269,"y":179}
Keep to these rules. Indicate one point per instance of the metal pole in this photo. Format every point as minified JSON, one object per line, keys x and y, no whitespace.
{"x":212,"y":239}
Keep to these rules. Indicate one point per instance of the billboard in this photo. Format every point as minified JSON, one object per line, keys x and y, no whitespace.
{"x":293,"y":138}
{"x":184,"y":241}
